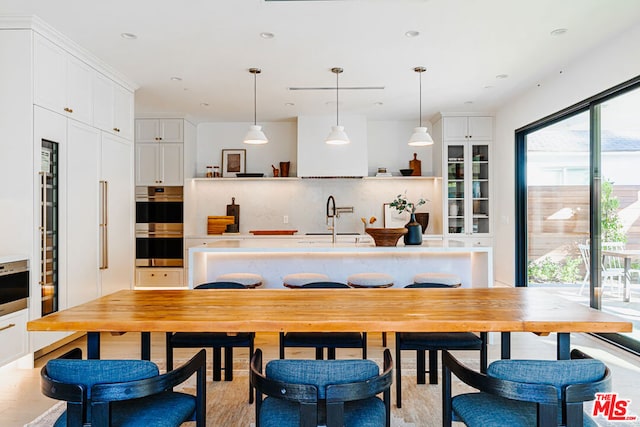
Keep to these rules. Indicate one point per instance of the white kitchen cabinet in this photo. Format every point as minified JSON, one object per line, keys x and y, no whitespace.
{"x":81,"y":195}
{"x":159,"y":164}
{"x":467,"y":185}
{"x":112,"y":107}
{"x":475,"y":128}
{"x":160,"y":130}
{"x":159,"y":278}
{"x":62,"y":82}
{"x":116,"y":211}
{"x":13,"y":336}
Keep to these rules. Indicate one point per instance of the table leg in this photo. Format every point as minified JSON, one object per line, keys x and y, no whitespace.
{"x":505,"y":345}
{"x":145,"y":345}
{"x":564,"y":344}
{"x":627,"y":289}
{"x":93,"y":345}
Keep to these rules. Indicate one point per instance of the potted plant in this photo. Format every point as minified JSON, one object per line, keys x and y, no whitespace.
{"x":414,"y":229}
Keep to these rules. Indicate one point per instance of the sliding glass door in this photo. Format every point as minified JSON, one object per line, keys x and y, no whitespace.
{"x":578,"y":198}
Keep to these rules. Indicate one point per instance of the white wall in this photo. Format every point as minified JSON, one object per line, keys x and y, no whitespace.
{"x":600,"y":69}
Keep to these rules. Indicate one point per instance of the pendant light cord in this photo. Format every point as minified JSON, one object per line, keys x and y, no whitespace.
{"x":420,"y":118}
{"x":337,"y":103}
{"x":255,"y":102}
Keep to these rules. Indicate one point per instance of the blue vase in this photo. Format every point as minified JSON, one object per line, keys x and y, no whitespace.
{"x":414,"y":236}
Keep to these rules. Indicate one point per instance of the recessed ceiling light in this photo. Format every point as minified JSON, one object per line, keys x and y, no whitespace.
{"x":488,"y":87}
{"x":289,"y":104}
{"x":559,"y":32}
{"x":175,"y":79}
{"x":128,"y":36}
{"x":378,"y":104}
{"x":412,"y":33}
{"x":468,"y":102}
{"x":204,"y":104}
{"x":267,"y":35}
{"x":502,"y":76}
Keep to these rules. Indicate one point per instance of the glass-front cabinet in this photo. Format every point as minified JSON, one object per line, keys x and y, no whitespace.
{"x":467,"y":192}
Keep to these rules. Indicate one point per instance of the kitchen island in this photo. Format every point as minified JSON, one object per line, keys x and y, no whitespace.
{"x":274,"y":258}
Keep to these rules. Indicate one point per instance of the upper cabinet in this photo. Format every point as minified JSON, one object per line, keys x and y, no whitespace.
{"x":159,"y":130}
{"x":474,"y":128}
{"x":112,"y":107}
{"x":62,"y":83}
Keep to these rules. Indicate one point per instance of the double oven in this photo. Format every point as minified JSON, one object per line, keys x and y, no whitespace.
{"x":159,"y":227}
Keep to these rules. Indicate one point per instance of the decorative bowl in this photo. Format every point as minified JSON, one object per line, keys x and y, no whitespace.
{"x":386,"y":236}
{"x":406,"y":172}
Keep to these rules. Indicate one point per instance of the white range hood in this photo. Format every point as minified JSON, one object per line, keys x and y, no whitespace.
{"x":319,"y":159}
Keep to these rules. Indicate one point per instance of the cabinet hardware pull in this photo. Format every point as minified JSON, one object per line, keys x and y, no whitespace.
{"x":68,"y":110}
{"x":116,"y":130}
{"x":10,"y":325}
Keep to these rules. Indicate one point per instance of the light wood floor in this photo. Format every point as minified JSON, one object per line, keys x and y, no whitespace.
{"x":21,"y":400}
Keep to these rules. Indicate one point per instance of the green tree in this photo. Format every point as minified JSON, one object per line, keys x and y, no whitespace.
{"x":610,"y":221}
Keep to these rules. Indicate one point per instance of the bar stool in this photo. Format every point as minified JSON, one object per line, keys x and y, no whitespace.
{"x":447,"y":280}
{"x":297,"y":280}
{"x":248,"y":280}
{"x":371,"y":280}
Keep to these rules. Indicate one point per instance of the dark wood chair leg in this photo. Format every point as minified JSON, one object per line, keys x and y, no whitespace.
{"x":433,"y":366}
{"x":364,"y":345}
{"x":421,"y":367}
{"x":281,"y":345}
{"x":228,"y":363}
{"x":384,"y":339}
{"x":331,"y":353}
{"x":398,"y":374}
{"x":169,"y":349}
{"x":484,"y":357}
{"x":217,"y":363}
{"x":319,"y":353}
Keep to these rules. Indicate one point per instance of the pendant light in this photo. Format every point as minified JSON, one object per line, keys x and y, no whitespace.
{"x":420,"y":136}
{"x":337,"y":136}
{"x":255,"y":135}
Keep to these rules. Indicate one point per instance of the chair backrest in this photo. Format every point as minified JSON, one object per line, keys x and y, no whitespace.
{"x":325,"y":285}
{"x":221,"y":285}
{"x":431,"y":285}
{"x":610,"y":262}
{"x":585,"y":254}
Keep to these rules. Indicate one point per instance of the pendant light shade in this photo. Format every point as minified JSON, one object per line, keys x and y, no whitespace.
{"x":337,"y":136}
{"x":420,"y":136}
{"x":255,"y":135}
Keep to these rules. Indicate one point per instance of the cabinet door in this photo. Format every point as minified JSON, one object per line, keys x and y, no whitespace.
{"x":103,"y":102}
{"x":480,"y":192}
{"x":480,"y":128}
{"x":147,"y":160}
{"x":117,"y":204}
{"x":171,"y":164}
{"x":171,"y":130}
{"x":456,"y":189}
{"x":79,"y":90}
{"x":83,"y":153}
{"x":454,"y":128}
{"x":123,"y":112}
{"x":147,"y":130}
{"x":49,"y":80}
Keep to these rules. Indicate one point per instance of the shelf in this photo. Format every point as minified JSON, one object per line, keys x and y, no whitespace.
{"x":295,"y":178}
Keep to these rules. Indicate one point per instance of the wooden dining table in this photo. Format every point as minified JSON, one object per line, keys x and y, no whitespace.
{"x":504,"y":310}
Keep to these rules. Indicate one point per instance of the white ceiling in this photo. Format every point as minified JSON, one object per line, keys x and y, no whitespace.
{"x":210,"y":44}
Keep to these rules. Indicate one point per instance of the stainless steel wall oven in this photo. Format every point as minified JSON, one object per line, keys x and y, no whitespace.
{"x":14,"y":286}
{"x":159,"y":227}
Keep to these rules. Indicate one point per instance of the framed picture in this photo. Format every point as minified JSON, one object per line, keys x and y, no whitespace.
{"x":393,"y":219}
{"x":233,"y":162}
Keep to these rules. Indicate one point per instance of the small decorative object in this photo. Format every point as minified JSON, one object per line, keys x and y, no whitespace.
{"x":385,"y":236}
{"x":416,"y":165}
{"x":423,"y":219}
{"x":406,"y":172}
{"x":209,"y":173}
{"x":476,"y":190}
{"x":284,"y":169}
{"x":453,"y":209}
{"x":275,"y":171}
{"x":370,"y":221}
{"x":414,"y":229}
{"x":216,"y":171}
{"x":233,"y":162}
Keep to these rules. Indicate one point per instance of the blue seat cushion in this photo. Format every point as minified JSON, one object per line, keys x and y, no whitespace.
{"x":210,"y":339}
{"x":321,"y":372}
{"x":323,"y":339}
{"x":440,"y":340}
{"x":487,"y":410}
{"x":91,"y":372}
{"x":558,"y":373}
{"x":168,"y":409}
{"x":361,"y":413}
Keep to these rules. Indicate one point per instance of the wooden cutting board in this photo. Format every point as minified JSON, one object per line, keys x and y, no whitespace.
{"x":416,"y":165}
{"x":218,"y":224}
{"x":234,"y":211}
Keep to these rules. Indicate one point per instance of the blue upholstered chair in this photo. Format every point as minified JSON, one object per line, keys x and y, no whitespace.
{"x":432,"y":342}
{"x":322,"y":340}
{"x":127,"y":393}
{"x":214,"y":340}
{"x":524,"y":392}
{"x":309,"y":393}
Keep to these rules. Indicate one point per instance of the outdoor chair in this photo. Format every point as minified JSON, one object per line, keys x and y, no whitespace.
{"x":518,"y":393}
{"x":102,"y":393}
{"x":332,"y":393}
